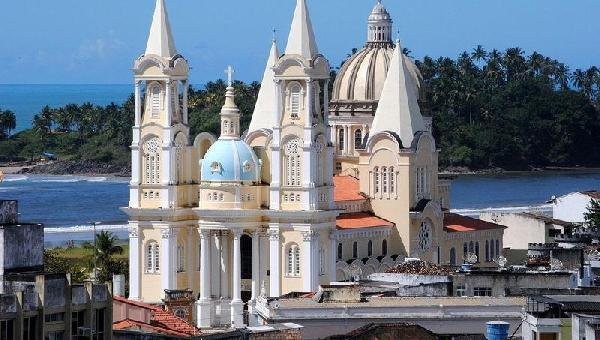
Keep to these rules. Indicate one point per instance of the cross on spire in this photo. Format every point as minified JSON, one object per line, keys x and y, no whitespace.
{"x":229,"y":72}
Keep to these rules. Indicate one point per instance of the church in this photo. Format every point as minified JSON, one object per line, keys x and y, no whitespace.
{"x":317,"y":190}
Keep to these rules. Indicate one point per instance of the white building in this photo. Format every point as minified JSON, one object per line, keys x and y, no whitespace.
{"x":573,"y":206}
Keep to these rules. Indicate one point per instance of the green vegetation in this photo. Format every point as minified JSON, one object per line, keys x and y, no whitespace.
{"x":79,"y":261}
{"x":490,"y":109}
{"x":592,"y":216}
{"x":8,"y":122}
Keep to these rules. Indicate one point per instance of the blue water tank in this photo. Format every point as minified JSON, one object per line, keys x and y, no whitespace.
{"x":497,"y":330}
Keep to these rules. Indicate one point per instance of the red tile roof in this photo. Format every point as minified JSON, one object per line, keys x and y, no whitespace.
{"x":458,"y":223}
{"x":361,"y":220}
{"x":162,"y":319}
{"x":593,"y":194}
{"x":346,"y":188}
{"x":132,"y":325}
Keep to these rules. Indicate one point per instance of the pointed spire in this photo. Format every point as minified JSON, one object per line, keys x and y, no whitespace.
{"x":160,"y":40}
{"x":263,"y":117}
{"x":301,"y":40}
{"x":230,"y":113}
{"x":398,"y":110}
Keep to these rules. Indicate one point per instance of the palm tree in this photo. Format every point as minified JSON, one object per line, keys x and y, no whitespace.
{"x":106,"y":247}
{"x":479,"y":53}
{"x":8,"y":122}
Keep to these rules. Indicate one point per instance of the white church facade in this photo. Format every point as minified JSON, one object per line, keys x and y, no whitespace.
{"x":260,"y":212}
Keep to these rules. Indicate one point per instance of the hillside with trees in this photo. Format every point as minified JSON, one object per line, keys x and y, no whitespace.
{"x":492,"y":109}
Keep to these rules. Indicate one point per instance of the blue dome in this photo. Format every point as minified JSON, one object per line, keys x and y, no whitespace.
{"x":230,"y":160}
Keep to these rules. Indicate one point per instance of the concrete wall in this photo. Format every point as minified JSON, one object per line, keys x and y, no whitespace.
{"x":501,"y":282}
{"x":21,"y":247}
{"x":571,"y":207}
{"x":521,"y":230}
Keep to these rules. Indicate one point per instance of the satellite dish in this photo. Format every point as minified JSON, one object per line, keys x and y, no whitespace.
{"x":501,"y":261}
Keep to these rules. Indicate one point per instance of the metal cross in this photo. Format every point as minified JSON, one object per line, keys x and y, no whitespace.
{"x":229,"y":72}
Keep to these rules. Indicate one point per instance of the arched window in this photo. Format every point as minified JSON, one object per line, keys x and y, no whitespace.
{"x":492,"y":250}
{"x":295,"y":101}
{"x":155,"y":101}
{"x":376,"y":180}
{"x":392,"y":180}
{"x":465,"y":250}
{"x":477,"y":251}
{"x":225,"y":126}
{"x":370,"y":248}
{"x":384,"y":175}
{"x":384,"y":247}
{"x":292,"y":153}
{"x":152,"y":257}
{"x":151,"y":151}
{"x":355,"y":250}
{"x":180,"y":259}
{"x":471,"y":247}
{"x":487,"y":251}
{"x":340,"y":251}
{"x":293,"y":260}
{"x":357,"y":139}
{"x":452,"y":256}
{"x":341,"y":139}
{"x":180,"y":313}
{"x":498,"y":248}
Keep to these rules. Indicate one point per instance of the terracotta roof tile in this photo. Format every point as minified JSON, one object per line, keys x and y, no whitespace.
{"x":459,"y":223}
{"x":132,"y":325}
{"x":346,"y":188}
{"x":361,"y":220}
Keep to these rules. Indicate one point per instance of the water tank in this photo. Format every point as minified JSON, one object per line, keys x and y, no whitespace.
{"x":119,"y":285}
{"x":497,"y":330}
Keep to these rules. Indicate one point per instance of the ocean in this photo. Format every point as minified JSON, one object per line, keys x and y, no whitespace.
{"x":67,"y":205}
{"x":28,"y":100}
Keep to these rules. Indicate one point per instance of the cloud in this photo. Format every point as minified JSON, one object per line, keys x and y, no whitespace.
{"x":98,"y":49}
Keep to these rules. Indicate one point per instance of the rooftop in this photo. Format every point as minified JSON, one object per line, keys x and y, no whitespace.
{"x":592,"y":193}
{"x":346,"y":188}
{"x":458,"y":223}
{"x":546,"y":219}
{"x":361,"y":220}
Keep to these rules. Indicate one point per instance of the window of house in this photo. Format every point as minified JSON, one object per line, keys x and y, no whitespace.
{"x":452,"y":256}
{"x":482,"y":291}
{"x":292,"y":162}
{"x":293,"y":260}
{"x":461,"y":290}
{"x":492,"y":250}
{"x":100,"y":323}
{"x":180,"y":313}
{"x":357,"y":139}
{"x":487,"y":251}
{"x":54,"y":317}
{"x":7,"y":330}
{"x":295,"y":101}
{"x":152,"y":257}
{"x":152,"y":161}
{"x":376,"y":180}
{"x":355,"y":250}
{"x":471,"y":247}
{"x":392,"y":180}
{"x":338,"y":166}
{"x":29,"y":328}
{"x":77,"y":320}
{"x":58,"y":335}
{"x":155,"y":101}
{"x":180,"y":259}
{"x":384,"y":247}
{"x":370,"y":248}
{"x":340,"y":251}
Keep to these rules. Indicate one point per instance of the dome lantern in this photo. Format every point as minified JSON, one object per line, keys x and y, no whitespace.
{"x":379,"y":26}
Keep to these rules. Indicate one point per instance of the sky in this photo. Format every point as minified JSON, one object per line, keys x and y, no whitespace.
{"x":96,"y":41}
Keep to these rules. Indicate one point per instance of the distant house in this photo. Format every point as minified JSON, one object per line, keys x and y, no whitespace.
{"x":571,"y":207}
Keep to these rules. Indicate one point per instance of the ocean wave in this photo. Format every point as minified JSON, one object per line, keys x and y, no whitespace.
{"x":84,"y":229}
{"x":15,"y":178}
{"x":56,"y":180}
{"x":96,"y":179}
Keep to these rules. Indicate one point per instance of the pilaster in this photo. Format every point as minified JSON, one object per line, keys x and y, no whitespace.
{"x":167,"y":259}
{"x":135,"y":262}
{"x":274,"y":263}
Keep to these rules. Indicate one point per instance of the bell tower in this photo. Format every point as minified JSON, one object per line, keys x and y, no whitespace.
{"x":302,"y":156}
{"x":160,"y":134}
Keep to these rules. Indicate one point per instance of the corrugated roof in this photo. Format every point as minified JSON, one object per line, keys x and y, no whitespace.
{"x":346,"y":188}
{"x":361,"y":220}
{"x":459,"y":223}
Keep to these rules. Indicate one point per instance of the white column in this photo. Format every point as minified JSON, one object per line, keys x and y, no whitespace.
{"x":190,"y":256}
{"x":277,"y":102}
{"x":255,"y":264}
{"x":274,"y":263}
{"x":237,"y":267}
{"x":135,"y":261}
{"x":167,"y":259}
{"x":205,"y":265}
{"x":326,"y":104}
{"x":347,"y":139}
{"x":308,"y":261}
{"x":186,"y":89}
{"x":138,"y":103}
{"x":237,"y":306}
{"x":310,"y":105}
{"x":332,"y":258}
{"x":168,"y":106}
{"x":225,"y":292}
